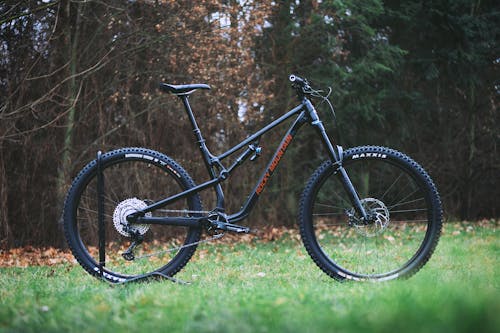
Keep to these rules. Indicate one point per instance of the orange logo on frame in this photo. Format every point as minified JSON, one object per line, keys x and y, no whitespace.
{"x":274,"y":164}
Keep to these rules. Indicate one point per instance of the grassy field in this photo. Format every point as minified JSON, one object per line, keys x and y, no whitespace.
{"x":267,"y":287}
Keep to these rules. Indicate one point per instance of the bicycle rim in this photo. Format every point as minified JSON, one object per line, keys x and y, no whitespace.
{"x":130,"y":185}
{"x":403,"y":233}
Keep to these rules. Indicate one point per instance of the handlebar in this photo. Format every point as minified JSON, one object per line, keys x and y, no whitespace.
{"x":301,"y":85}
{"x":303,"y":88}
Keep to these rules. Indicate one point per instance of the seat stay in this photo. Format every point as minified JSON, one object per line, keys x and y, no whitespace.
{"x":182,"y":89}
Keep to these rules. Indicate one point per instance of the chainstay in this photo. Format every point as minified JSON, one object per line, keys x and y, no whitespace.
{"x":183,"y":211}
{"x":178,"y":248}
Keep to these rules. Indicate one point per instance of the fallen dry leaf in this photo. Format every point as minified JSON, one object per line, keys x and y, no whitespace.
{"x":31,"y":256}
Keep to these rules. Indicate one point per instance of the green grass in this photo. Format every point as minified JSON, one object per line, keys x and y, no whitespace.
{"x":266,"y":287}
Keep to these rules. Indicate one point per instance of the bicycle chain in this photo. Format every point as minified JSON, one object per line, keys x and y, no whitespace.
{"x":185,"y":211}
{"x":217,"y":236}
{"x":178,"y":248}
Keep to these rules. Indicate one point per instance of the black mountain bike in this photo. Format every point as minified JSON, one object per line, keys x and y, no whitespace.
{"x":366,"y":213}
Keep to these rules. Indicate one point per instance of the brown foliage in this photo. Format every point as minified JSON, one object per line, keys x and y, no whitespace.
{"x":82,"y":76}
{"x":50,"y":256}
{"x":31,"y":256}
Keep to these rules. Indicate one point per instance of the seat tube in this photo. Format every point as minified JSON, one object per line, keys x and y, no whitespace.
{"x":205,"y":153}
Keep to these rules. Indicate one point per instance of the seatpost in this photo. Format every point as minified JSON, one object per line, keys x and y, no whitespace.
{"x":194,"y":125}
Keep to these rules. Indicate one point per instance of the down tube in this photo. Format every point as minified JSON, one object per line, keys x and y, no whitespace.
{"x":266,"y":176}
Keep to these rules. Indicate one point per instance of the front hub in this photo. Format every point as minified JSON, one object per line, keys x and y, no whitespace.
{"x":377,"y":218}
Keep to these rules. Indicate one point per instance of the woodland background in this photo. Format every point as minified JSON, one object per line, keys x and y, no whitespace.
{"x":80,"y":76}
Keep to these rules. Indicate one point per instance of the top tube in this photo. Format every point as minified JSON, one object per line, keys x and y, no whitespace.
{"x":258,"y":134}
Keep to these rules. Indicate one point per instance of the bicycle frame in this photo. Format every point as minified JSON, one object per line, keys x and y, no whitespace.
{"x":304,"y":112}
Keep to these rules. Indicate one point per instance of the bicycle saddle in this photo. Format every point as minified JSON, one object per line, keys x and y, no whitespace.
{"x":183,"y":89}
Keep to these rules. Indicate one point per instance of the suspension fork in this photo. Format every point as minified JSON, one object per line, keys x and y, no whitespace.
{"x":335,"y":155}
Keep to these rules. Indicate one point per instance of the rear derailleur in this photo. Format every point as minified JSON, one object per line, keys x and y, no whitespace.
{"x":137,"y":239}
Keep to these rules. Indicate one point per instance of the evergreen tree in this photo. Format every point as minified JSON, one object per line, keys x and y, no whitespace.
{"x":449,"y":95}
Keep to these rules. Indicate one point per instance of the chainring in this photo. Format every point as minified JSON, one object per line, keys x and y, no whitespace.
{"x":125,"y":208}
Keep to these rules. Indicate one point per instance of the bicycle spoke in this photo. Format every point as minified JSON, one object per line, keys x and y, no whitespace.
{"x":409,"y":221}
{"x":390,"y":187}
{"x":409,"y":210}
{"x":94,"y":211}
{"x":385,"y":243}
{"x":129,"y":183}
{"x":403,"y":200}
{"x":93,"y":197}
{"x":405,"y":203}
{"x":329,"y":214}
{"x":330,"y":206}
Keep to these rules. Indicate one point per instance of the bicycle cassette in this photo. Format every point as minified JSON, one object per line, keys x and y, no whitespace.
{"x":125,"y":208}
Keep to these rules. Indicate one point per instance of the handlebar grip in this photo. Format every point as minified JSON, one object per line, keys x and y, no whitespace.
{"x":299,"y":83}
{"x":296,"y":79}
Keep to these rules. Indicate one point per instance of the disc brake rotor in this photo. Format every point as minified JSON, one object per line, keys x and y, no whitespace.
{"x":125,"y":208}
{"x":379,"y":218}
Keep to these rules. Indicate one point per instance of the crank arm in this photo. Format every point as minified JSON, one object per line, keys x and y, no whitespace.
{"x":232,"y":227}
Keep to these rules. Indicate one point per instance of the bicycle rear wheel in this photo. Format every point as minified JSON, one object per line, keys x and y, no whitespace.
{"x":132,"y":178}
{"x":396,"y":191}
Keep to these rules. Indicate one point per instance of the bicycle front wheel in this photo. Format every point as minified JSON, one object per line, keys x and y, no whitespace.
{"x":405,"y":208}
{"x":132,"y":178}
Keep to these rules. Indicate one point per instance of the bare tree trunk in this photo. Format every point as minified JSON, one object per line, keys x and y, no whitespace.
{"x":467,"y":195}
{"x":5,"y":232}
{"x":71,"y":40}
